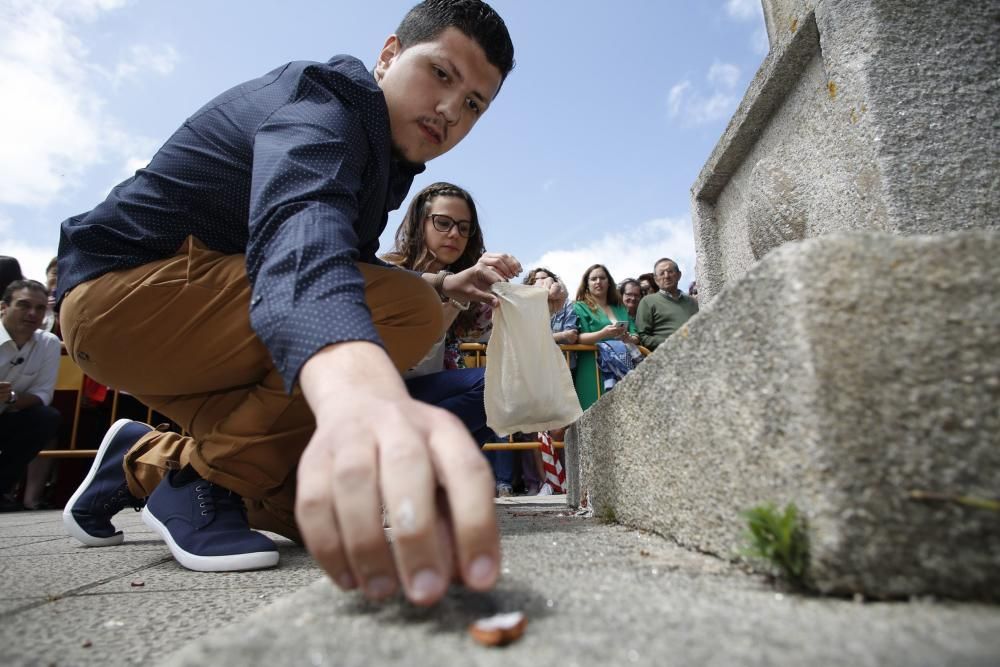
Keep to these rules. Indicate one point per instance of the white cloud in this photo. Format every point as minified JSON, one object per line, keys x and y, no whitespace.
{"x":743,"y":10}
{"x":723,"y":75}
{"x":759,"y":41}
{"x":626,"y":254}
{"x":751,"y":10}
{"x":676,"y":96}
{"x":142,"y":57}
{"x":32,"y":258}
{"x":693,"y":106}
{"x":54,"y":125}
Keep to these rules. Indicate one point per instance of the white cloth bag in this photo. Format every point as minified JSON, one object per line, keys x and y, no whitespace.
{"x":528,"y":384}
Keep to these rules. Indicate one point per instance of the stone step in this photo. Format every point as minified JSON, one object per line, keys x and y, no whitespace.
{"x":840,"y":374}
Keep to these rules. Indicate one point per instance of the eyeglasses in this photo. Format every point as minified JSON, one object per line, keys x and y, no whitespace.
{"x":444,"y":223}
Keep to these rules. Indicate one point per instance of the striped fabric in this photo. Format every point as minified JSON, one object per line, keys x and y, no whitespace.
{"x":554,"y":473}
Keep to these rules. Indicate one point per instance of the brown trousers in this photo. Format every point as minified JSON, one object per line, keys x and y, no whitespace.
{"x":176,"y":334}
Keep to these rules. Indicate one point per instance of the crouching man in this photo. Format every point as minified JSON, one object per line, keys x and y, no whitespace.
{"x":233,"y":286}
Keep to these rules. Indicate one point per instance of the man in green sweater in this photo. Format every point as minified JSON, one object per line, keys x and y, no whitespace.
{"x":662,"y":313}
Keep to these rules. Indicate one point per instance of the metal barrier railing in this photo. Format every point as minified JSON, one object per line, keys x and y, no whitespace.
{"x":475,"y":357}
{"x":71,"y":378}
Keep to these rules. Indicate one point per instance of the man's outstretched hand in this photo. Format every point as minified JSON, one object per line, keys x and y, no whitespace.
{"x":375,"y":445}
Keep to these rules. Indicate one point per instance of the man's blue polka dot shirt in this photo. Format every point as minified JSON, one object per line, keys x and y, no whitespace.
{"x":295,"y":170}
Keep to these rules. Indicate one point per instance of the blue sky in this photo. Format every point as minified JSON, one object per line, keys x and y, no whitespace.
{"x":587,"y":155}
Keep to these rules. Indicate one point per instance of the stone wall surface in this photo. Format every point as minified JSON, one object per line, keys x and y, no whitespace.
{"x":840,"y":373}
{"x":866,"y":115}
{"x":779,"y":14}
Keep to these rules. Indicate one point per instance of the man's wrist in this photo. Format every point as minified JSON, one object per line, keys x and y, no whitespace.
{"x":12,"y":398}
{"x":357,"y":364}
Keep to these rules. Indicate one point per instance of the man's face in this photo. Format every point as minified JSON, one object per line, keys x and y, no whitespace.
{"x":631,"y":296}
{"x":667,"y":275}
{"x":25,"y":312}
{"x":435,"y":92}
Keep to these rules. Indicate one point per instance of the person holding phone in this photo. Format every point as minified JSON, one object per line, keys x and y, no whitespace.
{"x":601,"y":316}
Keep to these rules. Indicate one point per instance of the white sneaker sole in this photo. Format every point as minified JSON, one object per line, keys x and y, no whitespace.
{"x":69,"y":521}
{"x":252,"y":561}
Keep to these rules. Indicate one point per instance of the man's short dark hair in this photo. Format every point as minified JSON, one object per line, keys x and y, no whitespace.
{"x":8,"y":294}
{"x":476,"y":19}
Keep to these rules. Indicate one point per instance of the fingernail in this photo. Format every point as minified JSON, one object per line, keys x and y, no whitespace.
{"x":426,"y":584}
{"x":481,"y":571}
{"x":380,"y":587}
{"x":346,"y":581}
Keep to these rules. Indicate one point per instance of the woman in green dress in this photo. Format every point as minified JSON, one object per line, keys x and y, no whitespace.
{"x":602,"y":316}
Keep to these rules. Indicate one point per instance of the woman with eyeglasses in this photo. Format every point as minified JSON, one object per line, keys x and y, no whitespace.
{"x":440,"y":232}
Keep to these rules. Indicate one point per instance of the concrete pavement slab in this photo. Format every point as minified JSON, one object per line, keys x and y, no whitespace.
{"x":120,"y":629}
{"x":297,"y":569}
{"x":65,"y":604}
{"x":15,"y":542}
{"x":599,"y":594}
{"x":595,"y":594}
{"x":67,"y":546}
{"x":63,"y":574}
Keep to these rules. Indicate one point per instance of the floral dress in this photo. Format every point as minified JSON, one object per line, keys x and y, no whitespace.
{"x":478,"y":331}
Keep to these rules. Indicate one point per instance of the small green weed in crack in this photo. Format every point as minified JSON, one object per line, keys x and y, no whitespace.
{"x":607,"y":514}
{"x":780,"y":539}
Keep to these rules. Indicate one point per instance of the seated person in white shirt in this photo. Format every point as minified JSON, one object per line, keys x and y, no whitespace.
{"x":29,"y":364}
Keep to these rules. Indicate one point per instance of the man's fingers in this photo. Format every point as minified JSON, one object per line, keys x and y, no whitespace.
{"x":353,"y":477}
{"x":315,"y":517}
{"x":465,"y":475}
{"x":408,"y":487}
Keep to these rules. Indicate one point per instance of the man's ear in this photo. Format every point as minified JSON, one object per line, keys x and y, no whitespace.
{"x":392,"y":48}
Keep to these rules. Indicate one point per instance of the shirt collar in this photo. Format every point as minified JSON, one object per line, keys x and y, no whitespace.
{"x":5,"y":336}
{"x":667,"y":294}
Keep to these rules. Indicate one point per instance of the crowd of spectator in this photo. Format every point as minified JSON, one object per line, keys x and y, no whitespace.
{"x":617,"y":322}
{"x":440,"y":232}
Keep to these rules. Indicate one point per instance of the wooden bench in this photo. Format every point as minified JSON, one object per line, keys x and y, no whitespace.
{"x":71,"y":378}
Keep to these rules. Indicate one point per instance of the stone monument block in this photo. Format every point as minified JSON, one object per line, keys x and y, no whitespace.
{"x":841,"y":373}
{"x":878,"y":115}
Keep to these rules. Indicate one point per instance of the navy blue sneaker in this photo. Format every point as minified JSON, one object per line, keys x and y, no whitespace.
{"x":104,"y":493}
{"x":205,"y":526}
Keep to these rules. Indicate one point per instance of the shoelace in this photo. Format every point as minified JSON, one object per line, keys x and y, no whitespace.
{"x":214,"y":498}
{"x":121,"y":499}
